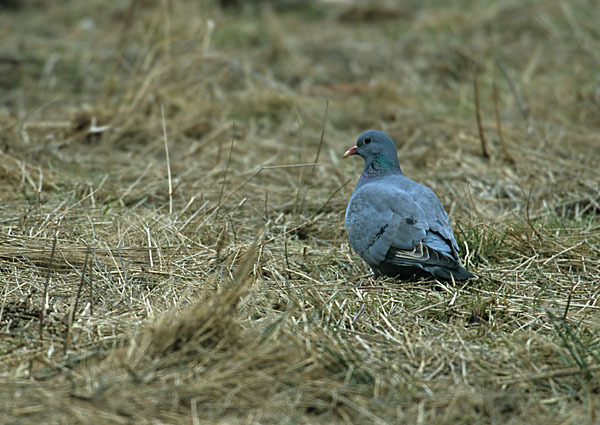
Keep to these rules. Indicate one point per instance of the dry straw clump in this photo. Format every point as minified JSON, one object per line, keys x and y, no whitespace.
{"x":171,"y":233}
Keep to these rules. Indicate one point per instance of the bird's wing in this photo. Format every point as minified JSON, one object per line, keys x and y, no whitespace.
{"x":440,"y":236}
{"x":382,"y":216}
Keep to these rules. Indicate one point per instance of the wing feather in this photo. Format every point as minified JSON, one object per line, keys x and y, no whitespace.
{"x":381,"y":217}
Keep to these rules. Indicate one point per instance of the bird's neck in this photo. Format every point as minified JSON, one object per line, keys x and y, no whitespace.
{"x":381,"y":165}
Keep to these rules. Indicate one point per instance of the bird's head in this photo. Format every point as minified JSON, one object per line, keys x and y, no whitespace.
{"x":374,"y":145}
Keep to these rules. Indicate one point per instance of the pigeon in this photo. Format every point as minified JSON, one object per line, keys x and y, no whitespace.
{"x":399,"y":227}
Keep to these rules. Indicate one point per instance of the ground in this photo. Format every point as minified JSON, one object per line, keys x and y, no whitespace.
{"x":172,"y":242}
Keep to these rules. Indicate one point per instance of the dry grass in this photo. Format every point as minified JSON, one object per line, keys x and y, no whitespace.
{"x":218,"y":286}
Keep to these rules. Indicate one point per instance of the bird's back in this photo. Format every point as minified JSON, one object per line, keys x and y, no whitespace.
{"x":440,"y":236}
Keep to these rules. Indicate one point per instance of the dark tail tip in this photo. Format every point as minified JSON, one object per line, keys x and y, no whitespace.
{"x":458,"y":273}
{"x":461,"y":273}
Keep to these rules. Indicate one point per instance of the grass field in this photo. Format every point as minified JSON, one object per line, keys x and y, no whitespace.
{"x":172,"y":243}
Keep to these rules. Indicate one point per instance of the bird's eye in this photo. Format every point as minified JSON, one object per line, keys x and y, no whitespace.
{"x":367,"y":140}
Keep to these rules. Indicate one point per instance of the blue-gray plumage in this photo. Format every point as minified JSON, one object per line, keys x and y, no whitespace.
{"x":399,"y":227}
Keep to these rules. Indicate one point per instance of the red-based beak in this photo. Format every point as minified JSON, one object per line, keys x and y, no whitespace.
{"x":350,"y":151}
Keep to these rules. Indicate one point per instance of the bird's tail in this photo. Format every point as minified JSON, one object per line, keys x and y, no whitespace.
{"x":458,"y":272}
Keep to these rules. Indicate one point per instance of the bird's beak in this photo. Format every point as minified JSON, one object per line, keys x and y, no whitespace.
{"x":350,"y":151}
